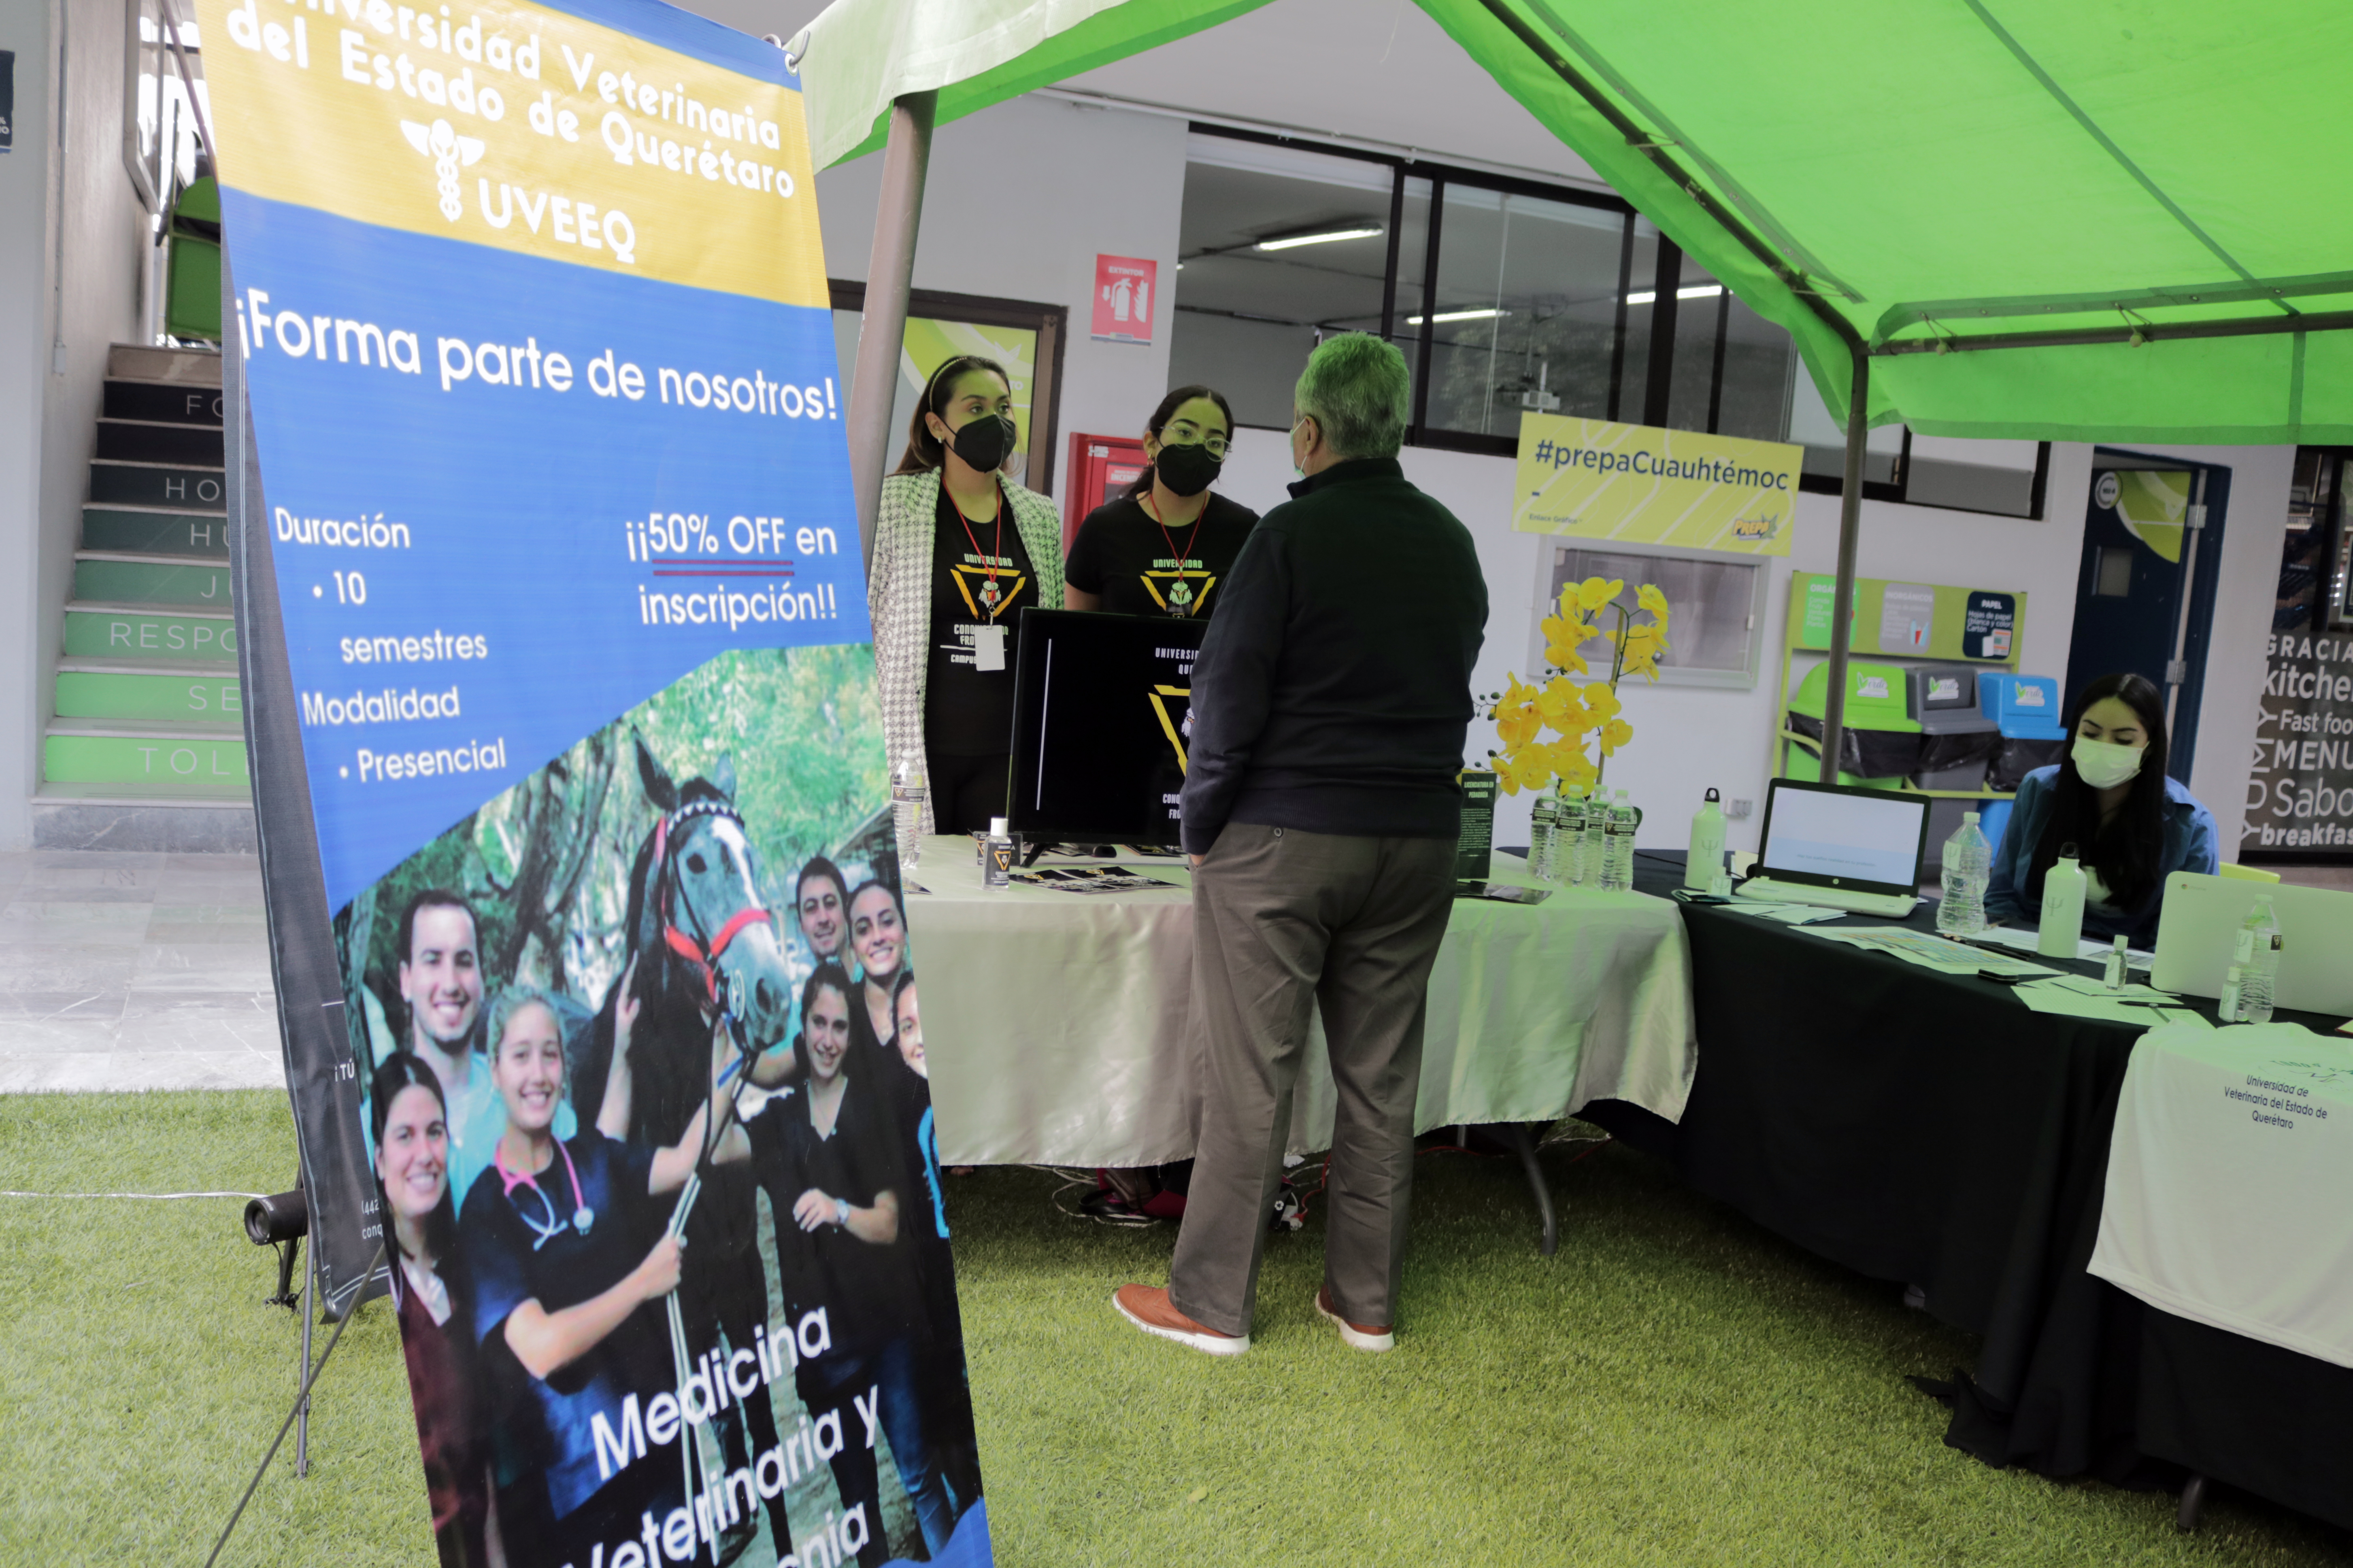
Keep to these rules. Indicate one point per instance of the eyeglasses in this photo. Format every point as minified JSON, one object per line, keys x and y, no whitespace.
{"x":1185,"y":433}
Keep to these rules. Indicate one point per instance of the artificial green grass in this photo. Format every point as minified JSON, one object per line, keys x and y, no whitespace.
{"x":1676,"y":1387}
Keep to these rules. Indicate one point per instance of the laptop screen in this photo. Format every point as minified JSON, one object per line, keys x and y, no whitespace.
{"x":1855,"y":836}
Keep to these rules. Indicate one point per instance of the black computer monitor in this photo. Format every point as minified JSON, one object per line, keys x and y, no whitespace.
{"x":1100,"y":712}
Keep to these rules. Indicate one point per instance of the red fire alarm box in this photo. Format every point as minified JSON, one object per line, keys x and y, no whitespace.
{"x":1101,"y":467}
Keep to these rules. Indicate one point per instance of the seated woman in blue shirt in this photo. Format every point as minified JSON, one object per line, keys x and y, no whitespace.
{"x":2130,"y":825}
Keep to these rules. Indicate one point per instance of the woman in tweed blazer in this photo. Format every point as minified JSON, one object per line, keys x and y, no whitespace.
{"x":901,"y":589}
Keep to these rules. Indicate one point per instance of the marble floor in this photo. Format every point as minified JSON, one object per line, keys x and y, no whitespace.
{"x":128,"y":971}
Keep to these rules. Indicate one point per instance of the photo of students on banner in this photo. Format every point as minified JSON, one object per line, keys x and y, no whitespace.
{"x":670,"y":1254}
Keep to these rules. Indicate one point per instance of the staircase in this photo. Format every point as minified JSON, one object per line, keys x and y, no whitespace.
{"x":147,"y":750}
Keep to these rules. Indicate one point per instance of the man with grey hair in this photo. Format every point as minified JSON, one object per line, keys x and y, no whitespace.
{"x":1321,"y":808}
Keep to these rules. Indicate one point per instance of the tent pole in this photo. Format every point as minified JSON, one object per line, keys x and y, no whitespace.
{"x":882,"y":325}
{"x":1858,"y":429}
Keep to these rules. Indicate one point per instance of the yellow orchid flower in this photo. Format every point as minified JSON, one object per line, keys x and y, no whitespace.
{"x":1562,"y":706}
{"x":1569,"y":762}
{"x":1648,"y":598}
{"x":1602,"y":703}
{"x":1594,"y":592}
{"x":1614,"y":734}
{"x":1563,"y":639}
{"x":1643,"y":646}
{"x":1527,"y":770}
{"x":1516,"y":721}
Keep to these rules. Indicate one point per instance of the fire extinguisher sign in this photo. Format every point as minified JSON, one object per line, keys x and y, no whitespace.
{"x":1126,"y":294}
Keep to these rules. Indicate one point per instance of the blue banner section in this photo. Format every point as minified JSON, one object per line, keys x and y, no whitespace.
{"x":601,"y":483}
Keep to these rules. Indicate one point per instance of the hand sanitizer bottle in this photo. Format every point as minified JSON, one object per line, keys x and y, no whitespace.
{"x":996,"y":855}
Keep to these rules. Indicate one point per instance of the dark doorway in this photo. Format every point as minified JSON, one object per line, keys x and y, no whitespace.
{"x":2145,"y":591}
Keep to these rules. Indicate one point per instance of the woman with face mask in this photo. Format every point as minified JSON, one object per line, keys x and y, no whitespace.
{"x":960,"y":550}
{"x":2130,"y":825}
{"x":1163,"y":548}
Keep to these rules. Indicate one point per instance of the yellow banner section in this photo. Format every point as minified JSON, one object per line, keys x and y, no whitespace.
{"x":1635,"y":484}
{"x":521,"y":126}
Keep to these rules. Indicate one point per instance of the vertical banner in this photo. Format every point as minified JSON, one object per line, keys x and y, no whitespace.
{"x":548,"y":500}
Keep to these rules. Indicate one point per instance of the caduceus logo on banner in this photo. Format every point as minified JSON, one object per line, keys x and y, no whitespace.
{"x":534,"y":321}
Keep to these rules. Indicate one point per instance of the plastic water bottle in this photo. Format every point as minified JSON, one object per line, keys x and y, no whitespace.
{"x":1592,"y":867}
{"x":1570,"y":822}
{"x":1617,"y":863}
{"x":1968,"y":866}
{"x":1541,"y":833}
{"x":2063,"y":907}
{"x":1705,"y":857}
{"x":907,"y":816}
{"x":996,"y":855}
{"x":2262,"y":933}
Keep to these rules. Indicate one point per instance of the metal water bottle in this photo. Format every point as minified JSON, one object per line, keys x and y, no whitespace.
{"x":1705,"y":857}
{"x":2063,"y":907}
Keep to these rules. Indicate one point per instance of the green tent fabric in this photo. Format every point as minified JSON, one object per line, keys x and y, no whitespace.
{"x":1931,"y":184}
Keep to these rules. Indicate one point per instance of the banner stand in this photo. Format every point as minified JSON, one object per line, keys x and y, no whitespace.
{"x":302,"y":958}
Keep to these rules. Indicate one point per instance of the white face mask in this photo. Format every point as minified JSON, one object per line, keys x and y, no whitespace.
{"x":2103,"y":764}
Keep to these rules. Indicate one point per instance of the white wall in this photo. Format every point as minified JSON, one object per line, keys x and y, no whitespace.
{"x":1690,"y":738}
{"x":49,"y":399}
{"x":27,"y":178}
{"x":1020,"y":200}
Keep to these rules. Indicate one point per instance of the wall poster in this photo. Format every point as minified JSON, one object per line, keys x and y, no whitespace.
{"x":553,"y":514}
{"x":2300,"y":780}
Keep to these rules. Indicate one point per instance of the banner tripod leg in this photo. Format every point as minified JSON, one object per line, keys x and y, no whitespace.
{"x":302,"y":1377}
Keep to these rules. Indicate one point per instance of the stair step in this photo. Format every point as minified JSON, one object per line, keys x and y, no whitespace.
{"x":86,"y":689}
{"x":173,"y":403}
{"x":56,"y":794}
{"x":190,"y":485}
{"x":142,"y":441}
{"x":190,"y":758}
{"x":140,"y":362}
{"x":129,"y":631}
{"x":201,"y":534}
{"x":146,"y":580}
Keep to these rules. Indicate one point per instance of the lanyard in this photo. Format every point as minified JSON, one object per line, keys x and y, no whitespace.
{"x":583,"y":1217}
{"x":1180,"y":594}
{"x":989,"y":559}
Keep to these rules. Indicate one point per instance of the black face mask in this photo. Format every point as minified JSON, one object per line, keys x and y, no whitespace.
{"x":984,"y":442}
{"x":1187,"y":470}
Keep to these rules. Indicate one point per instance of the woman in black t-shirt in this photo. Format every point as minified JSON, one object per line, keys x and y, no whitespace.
{"x":828,"y":1153}
{"x":1163,"y":548}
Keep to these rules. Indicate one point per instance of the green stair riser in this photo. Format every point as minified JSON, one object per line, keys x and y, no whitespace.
{"x":112,"y":694}
{"x":147,"y":582}
{"x":203,"y":488}
{"x":205,"y":767}
{"x":102,"y":634}
{"x":154,"y":533}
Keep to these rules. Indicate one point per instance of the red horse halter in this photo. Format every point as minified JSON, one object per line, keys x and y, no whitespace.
{"x":703,"y":956}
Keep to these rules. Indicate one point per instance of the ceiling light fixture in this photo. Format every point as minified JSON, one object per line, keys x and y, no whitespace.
{"x":1324,"y":237}
{"x":1460,"y":316}
{"x":1690,"y":291}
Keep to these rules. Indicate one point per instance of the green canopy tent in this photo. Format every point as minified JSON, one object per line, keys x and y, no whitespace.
{"x":1980,"y":219}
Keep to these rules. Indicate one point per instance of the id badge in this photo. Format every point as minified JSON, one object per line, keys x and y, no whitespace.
{"x":988,"y":648}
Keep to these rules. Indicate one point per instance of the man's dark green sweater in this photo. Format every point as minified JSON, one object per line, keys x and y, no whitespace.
{"x":1333,"y":692}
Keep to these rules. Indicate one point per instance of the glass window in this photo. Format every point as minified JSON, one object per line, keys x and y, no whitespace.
{"x":1276,"y":246}
{"x":1973,"y":476}
{"x":1712,"y":637}
{"x":1524,"y":312}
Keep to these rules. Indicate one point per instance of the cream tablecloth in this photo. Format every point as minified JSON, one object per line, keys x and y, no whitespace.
{"x":1058,"y":1024}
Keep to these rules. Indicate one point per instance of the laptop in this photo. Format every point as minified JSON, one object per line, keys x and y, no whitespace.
{"x":1841,"y":848}
{"x":2200,"y":921}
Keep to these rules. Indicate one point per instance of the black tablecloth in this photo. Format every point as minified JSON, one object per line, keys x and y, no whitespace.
{"x":1931,"y":1129}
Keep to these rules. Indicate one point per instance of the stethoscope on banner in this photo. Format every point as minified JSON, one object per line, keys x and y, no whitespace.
{"x":547,"y":1230}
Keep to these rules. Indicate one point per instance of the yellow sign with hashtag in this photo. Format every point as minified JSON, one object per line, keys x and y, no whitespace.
{"x":1636,"y":484}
